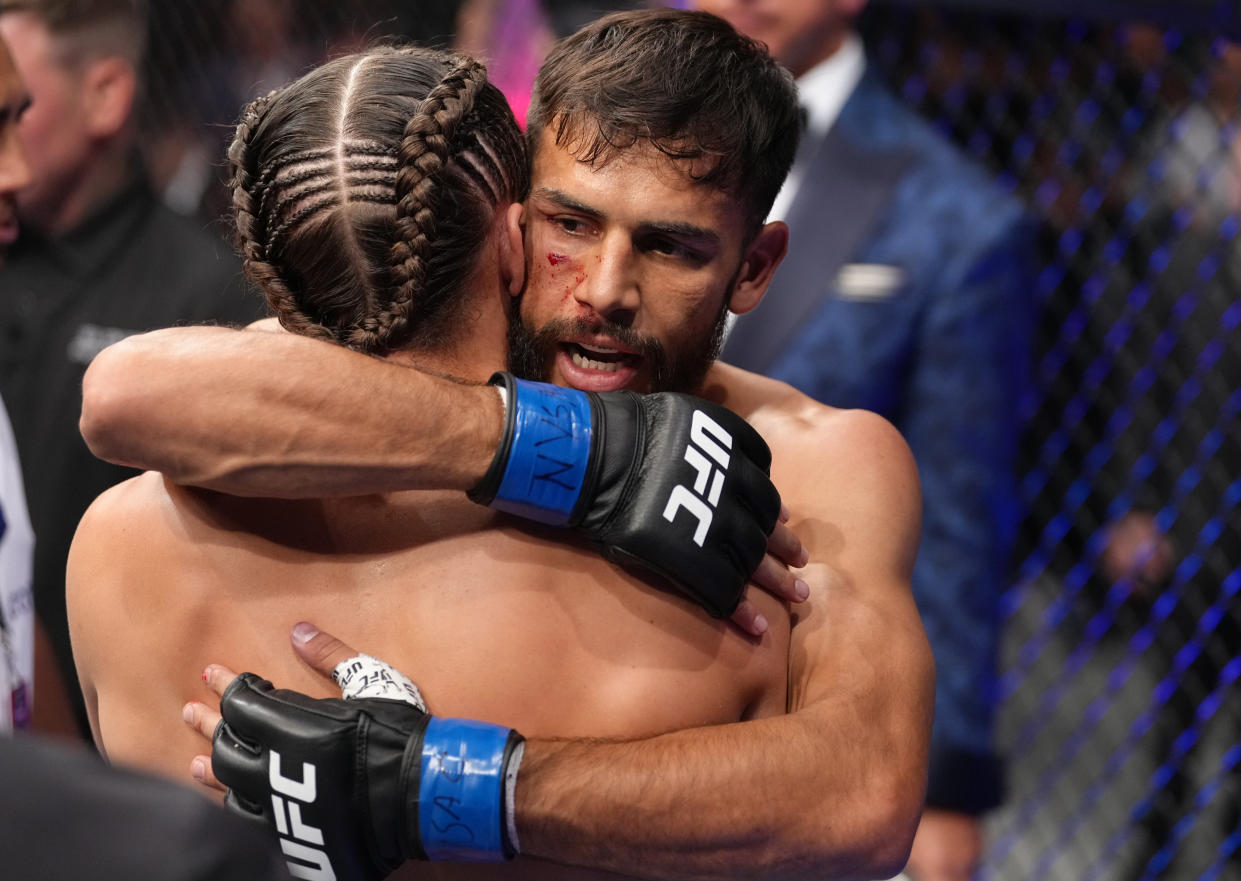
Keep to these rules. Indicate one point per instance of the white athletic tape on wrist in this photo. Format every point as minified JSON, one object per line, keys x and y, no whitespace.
{"x":510,"y":795}
{"x":363,"y":676}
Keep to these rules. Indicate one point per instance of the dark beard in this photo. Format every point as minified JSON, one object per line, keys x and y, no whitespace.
{"x":531,"y":352}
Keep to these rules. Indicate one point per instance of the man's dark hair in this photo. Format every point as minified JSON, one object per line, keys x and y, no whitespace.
{"x":685,"y":82}
{"x":365,"y":190}
{"x":86,"y":29}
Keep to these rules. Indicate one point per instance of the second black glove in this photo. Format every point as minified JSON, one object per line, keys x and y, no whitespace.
{"x":353,"y":788}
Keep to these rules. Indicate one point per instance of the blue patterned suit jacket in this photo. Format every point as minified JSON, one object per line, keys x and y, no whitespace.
{"x":908,"y":291}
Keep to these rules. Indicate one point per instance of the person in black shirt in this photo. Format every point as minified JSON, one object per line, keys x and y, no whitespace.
{"x":98,"y":258}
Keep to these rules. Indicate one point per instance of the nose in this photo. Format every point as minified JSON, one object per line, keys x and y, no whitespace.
{"x":610,"y":288}
{"x":14,"y":168}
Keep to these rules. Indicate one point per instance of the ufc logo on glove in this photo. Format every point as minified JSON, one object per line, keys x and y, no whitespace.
{"x":301,"y":843}
{"x":613,"y":467}
{"x":709,"y":442}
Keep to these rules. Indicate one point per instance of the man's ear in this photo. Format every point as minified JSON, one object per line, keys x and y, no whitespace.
{"x":512,"y":250}
{"x":109,"y":87}
{"x":757,"y":267}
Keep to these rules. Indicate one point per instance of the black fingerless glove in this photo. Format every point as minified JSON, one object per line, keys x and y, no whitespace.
{"x":360,"y":786}
{"x":666,"y":481}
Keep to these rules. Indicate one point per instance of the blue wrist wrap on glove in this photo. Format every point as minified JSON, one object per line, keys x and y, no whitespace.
{"x":551,"y":447}
{"x":461,"y":790}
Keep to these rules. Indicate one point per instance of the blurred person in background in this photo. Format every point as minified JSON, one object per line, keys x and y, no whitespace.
{"x":98,"y":258}
{"x":1173,"y":540}
{"x":907,"y":291}
{"x":16,"y":538}
{"x":64,"y":815}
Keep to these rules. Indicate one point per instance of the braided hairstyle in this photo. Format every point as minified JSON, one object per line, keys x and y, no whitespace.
{"x":364,"y":190}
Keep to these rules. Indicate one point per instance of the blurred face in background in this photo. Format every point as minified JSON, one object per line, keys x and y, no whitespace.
{"x":798,"y":33}
{"x":14,"y":169}
{"x":54,"y":130}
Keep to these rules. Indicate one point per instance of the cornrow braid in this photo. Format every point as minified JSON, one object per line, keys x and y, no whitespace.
{"x":425,"y":151}
{"x":252,"y":234}
{"x":365,"y":190}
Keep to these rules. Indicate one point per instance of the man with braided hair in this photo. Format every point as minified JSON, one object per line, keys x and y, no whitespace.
{"x":657,"y":742}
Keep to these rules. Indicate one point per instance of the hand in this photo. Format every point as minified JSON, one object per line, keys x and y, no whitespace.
{"x":668,"y":482}
{"x":360,"y":784}
{"x":784,"y":549}
{"x":947,"y":847}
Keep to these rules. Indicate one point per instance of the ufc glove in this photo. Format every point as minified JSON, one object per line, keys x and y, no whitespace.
{"x":666,"y":481}
{"x":354,"y":788}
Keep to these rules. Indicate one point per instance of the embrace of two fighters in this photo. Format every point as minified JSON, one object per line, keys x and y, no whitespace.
{"x":455,"y":528}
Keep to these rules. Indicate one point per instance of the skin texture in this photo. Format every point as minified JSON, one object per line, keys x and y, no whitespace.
{"x":800,"y":753}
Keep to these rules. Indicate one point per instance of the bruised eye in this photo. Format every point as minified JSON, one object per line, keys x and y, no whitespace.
{"x":669,"y":247}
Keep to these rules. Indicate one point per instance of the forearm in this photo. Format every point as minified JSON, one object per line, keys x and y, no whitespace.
{"x":770,"y":799}
{"x":278,"y":415}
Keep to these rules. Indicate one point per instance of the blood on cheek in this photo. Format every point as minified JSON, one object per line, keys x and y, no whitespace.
{"x":565,"y":270}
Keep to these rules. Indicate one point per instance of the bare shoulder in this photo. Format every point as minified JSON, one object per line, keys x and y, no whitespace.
{"x":813,"y":441}
{"x":119,"y":538}
{"x":130,"y":507}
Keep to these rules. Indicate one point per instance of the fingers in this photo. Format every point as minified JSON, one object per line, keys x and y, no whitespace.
{"x":320,"y":650}
{"x":783,"y":544}
{"x":218,"y":678}
{"x":746,"y":617}
{"x":204,"y":720}
{"x":201,"y":718}
{"x":200,"y":770}
{"x":775,"y":578}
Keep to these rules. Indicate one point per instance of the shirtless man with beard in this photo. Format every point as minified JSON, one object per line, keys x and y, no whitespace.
{"x":658,"y":742}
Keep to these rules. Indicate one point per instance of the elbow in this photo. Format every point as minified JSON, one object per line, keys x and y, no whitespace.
{"x":871,"y":838}
{"x":108,"y":405}
{"x":897,"y":823}
{"x":894,"y":815}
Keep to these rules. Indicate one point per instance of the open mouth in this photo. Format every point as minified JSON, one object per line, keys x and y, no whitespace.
{"x":597,"y":368}
{"x":597,"y":357}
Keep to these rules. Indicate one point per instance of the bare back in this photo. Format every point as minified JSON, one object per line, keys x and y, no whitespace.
{"x":494,"y":620}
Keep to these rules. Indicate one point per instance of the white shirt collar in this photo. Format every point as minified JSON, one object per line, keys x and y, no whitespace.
{"x":824,"y":89}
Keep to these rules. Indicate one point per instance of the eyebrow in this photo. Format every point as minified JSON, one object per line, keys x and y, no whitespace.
{"x":564,"y":200}
{"x":671,"y":228}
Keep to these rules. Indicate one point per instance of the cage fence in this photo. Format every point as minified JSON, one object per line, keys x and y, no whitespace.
{"x":1120,"y":707}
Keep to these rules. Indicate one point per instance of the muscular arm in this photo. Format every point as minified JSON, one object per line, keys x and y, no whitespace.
{"x":281,"y":416}
{"x":831,"y":790}
{"x":233,"y":411}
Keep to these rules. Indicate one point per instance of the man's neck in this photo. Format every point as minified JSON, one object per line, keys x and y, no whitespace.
{"x":476,"y":352}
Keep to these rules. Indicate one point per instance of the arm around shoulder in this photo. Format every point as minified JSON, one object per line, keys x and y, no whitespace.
{"x":273,"y":414}
{"x":832,"y":789}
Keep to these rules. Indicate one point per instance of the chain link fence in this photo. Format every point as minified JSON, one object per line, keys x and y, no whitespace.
{"x":1120,"y":704}
{"x":1119,"y":695}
